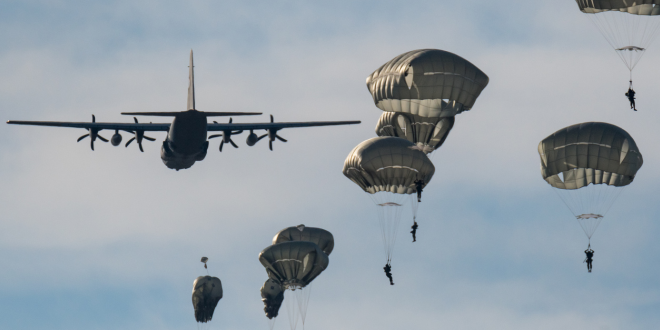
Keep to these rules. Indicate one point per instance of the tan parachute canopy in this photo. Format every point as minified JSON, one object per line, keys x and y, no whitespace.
{"x":293,"y":264}
{"x":428,"y":83}
{"x":388,"y":164}
{"x":318,"y":236}
{"x":428,"y":133}
{"x":207,"y":292}
{"x":635,"y":7}
{"x":589,"y":153}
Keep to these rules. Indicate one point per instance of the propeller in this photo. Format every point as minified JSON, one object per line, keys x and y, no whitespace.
{"x":93,"y":134}
{"x":226,"y":135}
{"x":139,"y":135}
{"x":272,"y":135}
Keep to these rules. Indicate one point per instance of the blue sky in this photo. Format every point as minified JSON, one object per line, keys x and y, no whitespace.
{"x":112,"y":238}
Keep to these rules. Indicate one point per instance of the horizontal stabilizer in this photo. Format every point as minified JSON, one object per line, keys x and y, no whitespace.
{"x":175,"y":113}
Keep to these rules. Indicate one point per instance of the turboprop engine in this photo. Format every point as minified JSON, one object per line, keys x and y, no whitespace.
{"x":116,"y":138}
{"x":252,"y":139}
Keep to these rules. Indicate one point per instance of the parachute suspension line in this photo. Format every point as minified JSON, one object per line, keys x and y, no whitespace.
{"x":271,"y":323}
{"x":389,"y":207}
{"x":292,"y":311}
{"x":613,"y":199}
{"x":414,"y":204}
{"x":627,"y":33}
{"x":302,"y":298}
{"x":570,"y":208}
{"x":590,"y":204}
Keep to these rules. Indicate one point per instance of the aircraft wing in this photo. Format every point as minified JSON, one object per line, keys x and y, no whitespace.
{"x":276,"y":126}
{"x":147,"y":127}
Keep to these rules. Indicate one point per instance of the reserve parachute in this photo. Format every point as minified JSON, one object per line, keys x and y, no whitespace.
{"x":389,"y":169}
{"x":629,"y":26}
{"x":588,"y":165}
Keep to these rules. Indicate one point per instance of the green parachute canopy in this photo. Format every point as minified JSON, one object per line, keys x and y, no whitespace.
{"x":589,"y":153}
{"x":318,"y":236}
{"x":588,"y":164}
{"x":207,"y":292}
{"x":428,"y":133}
{"x":427,"y":83}
{"x":388,"y":164}
{"x":294,"y":264}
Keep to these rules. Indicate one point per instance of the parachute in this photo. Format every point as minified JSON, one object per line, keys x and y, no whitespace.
{"x":629,"y":26}
{"x":291,"y":265}
{"x":318,"y":236}
{"x":206,"y":293}
{"x":323,"y":239}
{"x":427,"y":83}
{"x":388,"y":164}
{"x":588,"y":164}
{"x":389,"y":168}
{"x":428,"y":133}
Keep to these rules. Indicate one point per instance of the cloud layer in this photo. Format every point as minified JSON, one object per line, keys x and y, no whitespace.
{"x":112,"y":238}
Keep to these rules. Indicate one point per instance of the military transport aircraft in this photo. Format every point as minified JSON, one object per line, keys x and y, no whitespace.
{"x":186,"y":140}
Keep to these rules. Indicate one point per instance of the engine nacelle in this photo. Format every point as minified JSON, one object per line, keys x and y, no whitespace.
{"x":251,"y":139}
{"x":116,"y":139}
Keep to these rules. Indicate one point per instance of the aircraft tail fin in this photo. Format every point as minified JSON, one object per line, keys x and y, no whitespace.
{"x":191,"y":84}
{"x":191,"y":102}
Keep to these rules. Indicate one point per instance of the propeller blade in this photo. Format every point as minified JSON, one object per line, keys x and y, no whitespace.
{"x":93,"y":121}
{"x":271,"y":118}
{"x":91,"y":144}
{"x":261,"y":137}
{"x":232,"y":143}
{"x":215,"y":136}
{"x":136,"y":121}
{"x":230,"y":119}
{"x":82,"y":137}
{"x":149,"y":138}
{"x":129,"y":141}
{"x":270,"y":145}
{"x":102,"y":138}
{"x":280,"y":138}
{"x":237,"y":132}
{"x":140,"y":144}
{"x":221,"y":143}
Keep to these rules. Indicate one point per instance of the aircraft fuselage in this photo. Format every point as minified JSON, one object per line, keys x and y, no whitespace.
{"x":186,"y":140}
